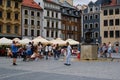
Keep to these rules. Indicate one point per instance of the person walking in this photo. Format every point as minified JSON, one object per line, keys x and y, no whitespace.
{"x":109,"y":49}
{"x":69,"y":51}
{"x":14,"y":49}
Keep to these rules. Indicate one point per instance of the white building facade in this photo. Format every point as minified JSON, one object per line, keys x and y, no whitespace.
{"x":51,"y":19}
{"x":31,"y":20}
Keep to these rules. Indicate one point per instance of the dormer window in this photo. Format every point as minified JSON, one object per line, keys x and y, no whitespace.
{"x":91,"y":9}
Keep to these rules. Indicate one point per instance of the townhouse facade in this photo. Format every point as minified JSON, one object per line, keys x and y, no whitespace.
{"x":91,"y":22}
{"x":110,"y":20}
{"x":71,"y":26}
{"x":31,"y":19}
{"x":10,"y":18}
{"x":51,"y":19}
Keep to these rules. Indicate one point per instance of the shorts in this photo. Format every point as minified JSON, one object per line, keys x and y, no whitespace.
{"x":15,"y":55}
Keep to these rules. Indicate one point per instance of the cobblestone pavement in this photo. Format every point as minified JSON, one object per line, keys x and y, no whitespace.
{"x":55,"y":70}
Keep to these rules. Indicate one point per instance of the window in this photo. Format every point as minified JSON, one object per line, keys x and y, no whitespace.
{"x":86,"y":26}
{"x":117,"y":11}
{"x":8,"y":15}
{"x":105,"y":34}
{"x":32,"y":22}
{"x":111,"y":34}
{"x":117,"y":22}
{"x":85,"y":17}
{"x":96,"y":25}
{"x":91,"y":17}
{"x":32,"y":13}
{"x":48,"y":23}
{"x":38,"y":32}
{"x":47,"y":13}
{"x":8,"y":29}
{"x":1,"y":2}
{"x":96,"y":9}
{"x":52,"y":14}
{"x":16,"y":29}
{"x":111,"y":12}
{"x":26,"y":32}
{"x":57,"y":25}
{"x":117,"y":34}
{"x":91,"y":26}
{"x":0,"y":28}
{"x":105,"y":13}
{"x":16,"y":16}
{"x":105,"y":22}
{"x":96,"y":16}
{"x":26,"y":12}
{"x":96,"y":34}
{"x":47,"y":33}
{"x":56,"y":34}
{"x":38,"y":14}
{"x":8,"y":3}
{"x":91,"y":9}
{"x":52,"y":34}
{"x":32,"y":32}
{"x":38,"y":23}
{"x":26,"y":21}
{"x":56,"y":15}
{"x":111,"y":22}
{"x":16,"y":4}
{"x":0,"y":14}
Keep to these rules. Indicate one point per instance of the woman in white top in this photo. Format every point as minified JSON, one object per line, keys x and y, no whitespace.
{"x":69,"y":51}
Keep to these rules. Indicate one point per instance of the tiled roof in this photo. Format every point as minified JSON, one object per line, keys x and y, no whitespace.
{"x":53,"y":1}
{"x":31,"y":3}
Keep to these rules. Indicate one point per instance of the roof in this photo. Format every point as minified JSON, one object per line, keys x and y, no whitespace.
{"x":31,"y":3}
{"x":66,"y":4}
{"x":53,"y":1}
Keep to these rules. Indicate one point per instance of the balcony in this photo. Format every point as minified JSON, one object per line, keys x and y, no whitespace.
{"x":32,"y":26}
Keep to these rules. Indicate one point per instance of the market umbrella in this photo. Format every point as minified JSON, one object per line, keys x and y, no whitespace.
{"x":24,"y":41}
{"x":5,"y":41}
{"x":72,"y":42}
{"x":58,"y":41}
{"x":16,"y":39}
{"x":40,"y":39}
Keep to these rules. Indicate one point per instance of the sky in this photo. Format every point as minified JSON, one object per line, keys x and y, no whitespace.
{"x":82,"y":1}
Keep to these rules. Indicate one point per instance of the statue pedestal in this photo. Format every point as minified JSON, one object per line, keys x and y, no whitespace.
{"x":89,"y":51}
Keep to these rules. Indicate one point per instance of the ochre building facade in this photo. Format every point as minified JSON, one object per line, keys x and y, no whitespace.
{"x":10,"y":18}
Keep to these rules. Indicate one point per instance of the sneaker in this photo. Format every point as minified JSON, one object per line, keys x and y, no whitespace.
{"x":14,"y":64}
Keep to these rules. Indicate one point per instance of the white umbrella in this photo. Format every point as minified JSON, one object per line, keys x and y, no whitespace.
{"x":24,"y":41}
{"x":40,"y":39}
{"x":16,"y":39}
{"x":58,"y":41}
{"x":72,"y":42}
{"x":5,"y":41}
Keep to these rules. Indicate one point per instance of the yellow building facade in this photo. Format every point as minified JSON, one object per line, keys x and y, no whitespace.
{"x":10,"y":18}
{"x":110,"y":24}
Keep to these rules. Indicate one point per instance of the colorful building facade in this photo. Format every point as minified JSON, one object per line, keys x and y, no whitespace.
{"x":31,"y":19}
{"x":91,"y":22}
{"x":71,"y":26}
{"x":110,"y":22}
{"x":10,"y":18}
